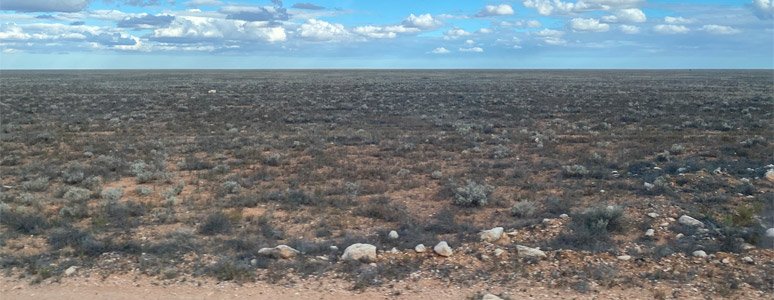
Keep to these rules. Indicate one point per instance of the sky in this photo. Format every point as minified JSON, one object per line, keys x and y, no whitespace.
{"x":395,"y":34}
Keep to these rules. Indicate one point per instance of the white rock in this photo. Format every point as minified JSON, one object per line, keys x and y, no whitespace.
{"x":624,"y":257}
{"x":650,"y":232}
{"x":748,"y":260}
{"x":689,"y":221}
{"x":746,"y":246}
{"x":525,"y":251}
{"x":334,"y":248}
{"x":653,"y":215}
{"x":420,"y":248}
{"x":71,"y":270}
{"x":665,"y":224}
{"x":499,"y":252}
{"x":726,"y":261}
{"x":699,"y":253}
{"x":491,"y":297}
{"x":649,"y":185}
{"x":443,"y":249}
{"x":564,"y":216}
{"x":359,"y":251}
{"x":769,"y":175}
{"x":281,"y":251}
{"x":395,"y":250}
{"x":212,"y":91}
{"x":492,"y":235}
{"x":393,"y":235}
{"x":770,"y":232}
{"x":679,"y":236}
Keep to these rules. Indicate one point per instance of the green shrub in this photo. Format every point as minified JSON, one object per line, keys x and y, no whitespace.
{"x":473,"y":194}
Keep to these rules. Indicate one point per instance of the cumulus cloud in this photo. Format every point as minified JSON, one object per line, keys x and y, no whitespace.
{"x":719,"y":29}
{"x":197,"y":3}
{"x":678,"y":20}
{"x":187,"y":29}
{"x":425,"y":21}
{"x":383,"y":32}
{"x":252,"y":13}
{"x":628,"y":15}
{"x":523,"y":24}
{"x":308,"y":6}
{"x":548,"y":7}
{"x":472,"y":49}
{"x":454,"y":34}
{"x":440,"y":50}
{"x":146,"y":21}
{"x":610,"y":4}
{"x":670,"y":29}
{"x":580,"y":24}
{"x":551,"y":37}
{"x":36,"y":35}
{"x":763,"y":9}
{"x":319,"y":30}
{"x":44,"y":5}
{"x":629,"y":29}
{"x":495,"y":10}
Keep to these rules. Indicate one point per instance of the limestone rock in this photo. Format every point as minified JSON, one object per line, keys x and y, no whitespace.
{"x":359,"y":251}
{"x":71,"y":270}
{"x":770,"y":175}
{"x":689,"y":221}
{"x":393,"y":235}
{"x":624,"y":257}
{"x":653,"y":215}
{"x":281,"y":251}
{"x":525,"y":251}
{"x":770,"y":232}
{"x":443,"y":249}
{"x":650,"y":232}
{"x":420,"y":248}
{"x":492,"y":235}
{"x":699,"y":253}
{"x":491,"y":297}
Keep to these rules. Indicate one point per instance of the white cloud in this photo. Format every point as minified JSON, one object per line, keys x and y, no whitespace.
{"x":425,"y":21}
{"x":44,"y":5}
{"x":670,"y":29}
{"x":495,"y":10}
{"x":472,"y":49}
{"x":484,"y":30}
{"x":719,"y":29}
{"x":383,"y":32}
{"x":197,"y":3}
{"x":629,"y":29}
{"x":763,"y":9}
{"x":548,"y":7}
{"x":678,"y":20}
{"x":611,"y":4}
{"x":196,"y":29}
{"x":579,"y":24}
{"x":523,"y":24}
{"x":550,"y":33}
{"x":628,"y":15}
{"x":554,"y":40}
{"x":440,"y":50}
{"x":323,"y":31}
{"x":454,"y":34}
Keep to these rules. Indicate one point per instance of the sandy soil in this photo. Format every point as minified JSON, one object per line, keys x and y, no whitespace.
{"x":124,"y":287}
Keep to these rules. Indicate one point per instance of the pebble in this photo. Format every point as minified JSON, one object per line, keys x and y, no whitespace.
{"x":393,"y":235}
{"x":650,"y":232}
{"x":420,"y":248}
{"x":699,"y":253}
{"x":624,"y":257}
{"x":653,"y":215}
{"x":748,"y":260}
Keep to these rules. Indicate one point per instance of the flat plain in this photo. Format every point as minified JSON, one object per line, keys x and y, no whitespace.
{"x":542,"y":183}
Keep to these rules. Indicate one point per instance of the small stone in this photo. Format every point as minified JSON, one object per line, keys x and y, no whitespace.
{"x":748,"y":260}
{"x":443,"y":249}
{"x":393,"y":235}
{"x":491,"y":297}
{"x":679,"y":236}
{"x":359,"y":251}
{"x":699,"y":253}
{"x":254,"y":262}
{"x":689,"y":221}
{"x":665,"y":224}
{"x":499,"y":252}
{"x":525,"y":251}
{"x":650,"y":232}
{"x":395,"y":250}
{"x":653,"y":215}
{"x":281,"y":251}
{"x":726,"y":261}
{"x":649,"y":186}
{"x":564,"y":216}
{"x":420,"y":248}
{"x":624,"y":257}
{"x":746,"y":246}
{"x":770,"y":175}
{"x":334,"y":248}
{"x":71,"y":270}
{"x":492,"y":235}
{"x":770,"y":232}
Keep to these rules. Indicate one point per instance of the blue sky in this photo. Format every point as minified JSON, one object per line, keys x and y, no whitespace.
{"x":202,"y":34}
